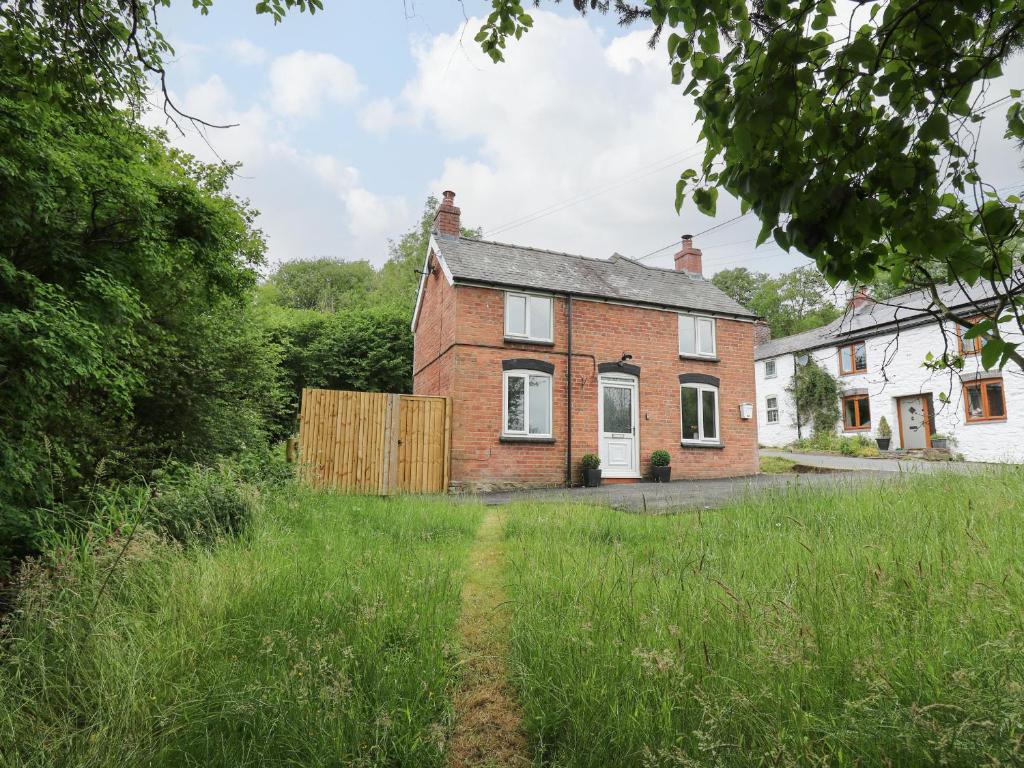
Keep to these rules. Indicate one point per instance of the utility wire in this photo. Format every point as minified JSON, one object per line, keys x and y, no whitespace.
{"x":675,"y":243}
{"x":640,"y":173}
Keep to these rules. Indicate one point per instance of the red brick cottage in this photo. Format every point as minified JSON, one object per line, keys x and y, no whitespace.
{"x":548,"y":356}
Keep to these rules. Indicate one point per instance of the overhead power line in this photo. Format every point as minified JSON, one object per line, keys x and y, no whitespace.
{"x":640,"y":173}
{"x":675,"y":243}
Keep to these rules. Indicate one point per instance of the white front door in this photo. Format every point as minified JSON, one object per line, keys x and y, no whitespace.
{"x":617,"y":424}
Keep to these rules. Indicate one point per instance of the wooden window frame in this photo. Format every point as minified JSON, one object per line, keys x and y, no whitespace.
{"x":774,"y":369}
{"x":982,"y":386}
{"x":769,"y":410}
{"x":526,"y":375}
{"x":847,"y":427}
{"x":977,"y":342}
{"x":853,"y":358}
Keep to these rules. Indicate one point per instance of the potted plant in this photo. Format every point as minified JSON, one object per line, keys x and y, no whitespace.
{"x":591,"y":463}
{"x":660,"y":468}
{"x":940,"y":442}
{"x":884,"y":434}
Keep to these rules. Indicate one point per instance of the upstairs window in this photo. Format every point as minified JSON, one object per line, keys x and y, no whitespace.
{"x":772,"y":410}
{"x":528,"y":317}
{"x":699,"y":406}
{"x":985,"y":400}
{"x":853,"y":358}
{"x":527,"y":406}
{"x":696,"y":336}
{"x":970,"y":346}
{"x":856,"y":413}
{"x":769,"y":369}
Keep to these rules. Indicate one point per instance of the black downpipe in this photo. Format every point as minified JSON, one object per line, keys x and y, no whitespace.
{"x":568,"y":401}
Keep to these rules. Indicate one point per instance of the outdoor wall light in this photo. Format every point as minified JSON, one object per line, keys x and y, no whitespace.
{"x":746,"y":410}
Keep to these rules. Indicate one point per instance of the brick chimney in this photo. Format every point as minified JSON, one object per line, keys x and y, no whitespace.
{"x":446,"y":220}
{"x":859,"y":298}
{"x":762,"y":333}
{"x":688,"y":259}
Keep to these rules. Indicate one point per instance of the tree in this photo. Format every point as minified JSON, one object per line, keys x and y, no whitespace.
{"x":852,"y":137}
{"x":125,"y":281}
{"x":815,"y":397}
{"x":796,"y":301}
{"x":327,"y":285}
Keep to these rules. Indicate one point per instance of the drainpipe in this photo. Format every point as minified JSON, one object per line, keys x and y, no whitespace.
{"x":568,"y":400}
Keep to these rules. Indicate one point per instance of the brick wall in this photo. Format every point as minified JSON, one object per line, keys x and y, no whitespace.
{"x":602,"y":332}
{"x":435,"y":333}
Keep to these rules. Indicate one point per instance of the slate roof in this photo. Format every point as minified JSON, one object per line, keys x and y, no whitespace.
{"x":874,"y":318}
{"x":619,"y":278}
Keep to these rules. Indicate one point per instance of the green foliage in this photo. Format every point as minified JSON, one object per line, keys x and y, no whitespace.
{"x":884,"y":430}
{"x":829,"y":442}
{"x":820,"y":626}
{"x":200,"y":504}
{"x":816,"y":397}
{"x":590,"y":461}
{"x":326,"y":285}
{"x":125,"y":280}
{"x":323,"y":636}
{"x":796,"y":301}
{"x":660,"y":458}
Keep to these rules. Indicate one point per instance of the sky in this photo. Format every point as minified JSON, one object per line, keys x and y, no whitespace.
{"x":348,"y":119}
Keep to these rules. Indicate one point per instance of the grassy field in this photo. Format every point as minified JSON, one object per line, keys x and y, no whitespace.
{"x":321,"y":638}
{"x":882,"y":626}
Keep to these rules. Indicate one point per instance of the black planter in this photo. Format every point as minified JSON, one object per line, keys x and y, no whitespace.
{"x":591,"y":478}
{"x":661,"y":474}
{"x":883,"y":443}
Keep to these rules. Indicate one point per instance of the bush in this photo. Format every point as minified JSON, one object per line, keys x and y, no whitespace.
{"x":590,"y":461}
{"x":660,"y":458}
{"x":198,"y":504}
{"x":884,"y":430}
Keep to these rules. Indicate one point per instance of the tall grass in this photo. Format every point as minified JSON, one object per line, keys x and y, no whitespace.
{"x":321,"y":637}
{"x":882,"y":626}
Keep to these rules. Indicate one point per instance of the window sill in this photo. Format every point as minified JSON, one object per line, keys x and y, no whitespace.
{"x":535,"y":342}
{"x":524,"y":439}
{"x":686,"y":444}
{"x":994,"y":420}
{"x":853,"y":373}
{"x":705,"y":358}
{"x":857,"y":429}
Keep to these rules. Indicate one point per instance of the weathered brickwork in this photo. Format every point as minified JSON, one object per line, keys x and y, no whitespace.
{"x":460,"y":347}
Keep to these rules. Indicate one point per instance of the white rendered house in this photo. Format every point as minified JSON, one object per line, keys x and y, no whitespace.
{"x":876,"y":351}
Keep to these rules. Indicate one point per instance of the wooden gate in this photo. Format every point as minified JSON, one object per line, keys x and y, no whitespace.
{"x":370,"y":442}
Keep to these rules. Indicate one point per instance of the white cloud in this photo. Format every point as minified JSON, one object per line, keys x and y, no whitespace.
{"x":379,"y":116}
{"x":247,"y":52}
{"x":310,"y":204}
{"x":571,"y":114}
{"x":303,"y":81}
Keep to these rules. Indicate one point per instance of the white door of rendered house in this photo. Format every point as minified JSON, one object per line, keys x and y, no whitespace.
{"x":914,"y":423}
{"x":618,"y":426}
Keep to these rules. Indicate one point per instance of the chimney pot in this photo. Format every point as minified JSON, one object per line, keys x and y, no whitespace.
{"x":860,"y":297}
{"x":447,"y":219}
{"x":762,"y":333}
{"x":689,"y":258}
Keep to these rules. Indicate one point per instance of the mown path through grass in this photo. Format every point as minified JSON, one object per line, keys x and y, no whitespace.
{"x":488,"y":720}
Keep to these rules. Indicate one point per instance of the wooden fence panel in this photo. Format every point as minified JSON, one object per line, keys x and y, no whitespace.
{"x":370,"y":442}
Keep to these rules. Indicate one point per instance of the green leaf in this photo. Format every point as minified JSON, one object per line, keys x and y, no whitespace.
{"x":935,"y":128}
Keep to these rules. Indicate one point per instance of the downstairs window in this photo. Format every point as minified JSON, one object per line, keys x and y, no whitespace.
{"x":527,"y":404}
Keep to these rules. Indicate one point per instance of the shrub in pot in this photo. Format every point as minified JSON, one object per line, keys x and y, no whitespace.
{"x":591,"y":464}
{"x":660,"y":469}
{"x":884,"y":434}
{"x":940,"y":442}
